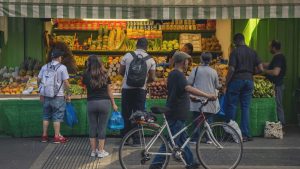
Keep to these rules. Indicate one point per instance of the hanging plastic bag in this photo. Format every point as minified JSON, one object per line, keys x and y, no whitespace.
{"x":236,"y":127}
{"x":70,"y":115}
{"x":116,"y":121}
{"x":222,"y":104}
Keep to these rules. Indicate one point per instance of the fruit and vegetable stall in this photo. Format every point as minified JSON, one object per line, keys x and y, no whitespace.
{"x":21,"y":111}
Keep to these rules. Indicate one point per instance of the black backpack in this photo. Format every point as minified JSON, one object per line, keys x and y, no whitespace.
{"x":137,"y":72}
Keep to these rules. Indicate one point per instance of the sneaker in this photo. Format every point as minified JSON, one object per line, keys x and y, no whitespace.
{"x":45,"y":139}
{"x":209,"y":142}
{"x":193,"y":142}
{"x":194,"y":166}
{"x":93,"y":154}
{"x":102,"y":154}
{"x":60,"y":139}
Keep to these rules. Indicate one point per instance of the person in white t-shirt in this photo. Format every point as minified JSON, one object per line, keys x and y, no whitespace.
{"x":54,"y":107}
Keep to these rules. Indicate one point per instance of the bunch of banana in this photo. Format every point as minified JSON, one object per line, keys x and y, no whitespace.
{"x":130,"y":44}
{"x":263,"y":88}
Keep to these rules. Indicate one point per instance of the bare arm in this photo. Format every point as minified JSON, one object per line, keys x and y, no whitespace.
{"x":122,"y":70}
{"x":152,"y":76}
{"x":67,"y":89}
{"x":111,"y":96}
{"x":273,"y":72}
{"x":197,"y":92}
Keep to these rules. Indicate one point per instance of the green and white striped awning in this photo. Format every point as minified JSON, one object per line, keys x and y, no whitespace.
{"x":151,"y":9}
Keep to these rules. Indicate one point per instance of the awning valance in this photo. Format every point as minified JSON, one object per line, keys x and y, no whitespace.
{"x":151,"y":9}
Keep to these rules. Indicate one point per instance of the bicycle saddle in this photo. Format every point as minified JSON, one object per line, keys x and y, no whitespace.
{"x":159,"y":109}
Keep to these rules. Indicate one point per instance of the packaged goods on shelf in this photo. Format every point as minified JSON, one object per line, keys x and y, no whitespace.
{"x":194,"y":39}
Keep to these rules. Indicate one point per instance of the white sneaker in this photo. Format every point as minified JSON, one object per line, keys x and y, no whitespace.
{"x":209,"y":142}
{"x":102,"y":154}
{"x":93,"y":154}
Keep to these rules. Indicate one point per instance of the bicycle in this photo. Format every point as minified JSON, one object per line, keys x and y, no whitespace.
{"x":225,"y":151}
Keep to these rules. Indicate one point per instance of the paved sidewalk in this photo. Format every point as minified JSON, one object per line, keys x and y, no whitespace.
{"x":28,"y":153}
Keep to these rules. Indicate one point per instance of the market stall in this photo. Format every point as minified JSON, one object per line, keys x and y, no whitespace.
{"x":166,"y":28}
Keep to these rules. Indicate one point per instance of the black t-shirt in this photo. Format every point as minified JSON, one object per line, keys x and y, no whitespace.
{"x":278,"y":61}
{"x":244,"y":60}
{"x":178,"y":99}
{"x":95,"y":93}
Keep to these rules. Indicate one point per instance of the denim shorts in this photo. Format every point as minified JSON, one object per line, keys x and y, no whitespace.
{"x":54,"y":109}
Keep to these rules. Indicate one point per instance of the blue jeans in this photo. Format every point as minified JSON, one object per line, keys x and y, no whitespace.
{"x":176,"y":126}
{"x":239,"y":91}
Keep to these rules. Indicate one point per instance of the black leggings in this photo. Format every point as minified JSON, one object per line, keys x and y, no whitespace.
{"x":98,"y":114}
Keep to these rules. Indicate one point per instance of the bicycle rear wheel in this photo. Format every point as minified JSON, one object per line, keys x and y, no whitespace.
{"x":132,"y":153}
{"x":229,"y":152}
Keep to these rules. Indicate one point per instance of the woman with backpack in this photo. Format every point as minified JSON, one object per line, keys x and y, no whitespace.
{"x":99,"y":101}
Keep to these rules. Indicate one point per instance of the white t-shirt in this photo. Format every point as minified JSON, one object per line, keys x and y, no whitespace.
{"x":126,"y":60}
{"x":62,"y":75}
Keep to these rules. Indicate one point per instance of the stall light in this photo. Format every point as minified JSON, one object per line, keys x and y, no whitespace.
{"x":249,"y":29}
{"x":86,"y":19}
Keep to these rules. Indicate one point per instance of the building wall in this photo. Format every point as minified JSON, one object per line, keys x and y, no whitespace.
{"x":224,"y":28}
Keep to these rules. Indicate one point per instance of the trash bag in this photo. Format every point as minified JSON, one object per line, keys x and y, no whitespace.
{"x":116,"y":121}
{"x":70,"y":115}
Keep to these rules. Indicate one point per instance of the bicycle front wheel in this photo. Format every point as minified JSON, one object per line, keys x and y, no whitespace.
{"x":133,"y":153}
{"x":223,"y":148}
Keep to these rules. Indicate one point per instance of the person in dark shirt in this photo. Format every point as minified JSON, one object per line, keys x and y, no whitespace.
{"x":239,"y":82}
{"x":100,"y":99}
{"x":275,"y":71}
{"x":179,"y":103}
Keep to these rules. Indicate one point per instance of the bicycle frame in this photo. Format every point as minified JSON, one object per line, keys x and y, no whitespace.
{"x":203,"y":121}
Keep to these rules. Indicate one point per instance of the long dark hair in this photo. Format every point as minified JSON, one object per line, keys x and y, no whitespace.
{"x":96,"y":70}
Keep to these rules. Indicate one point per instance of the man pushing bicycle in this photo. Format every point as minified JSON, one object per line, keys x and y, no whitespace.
{"x":178,"y":102}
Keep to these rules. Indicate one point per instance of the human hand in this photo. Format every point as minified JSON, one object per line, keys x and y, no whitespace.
{"x":68,"y":98}
{"x":212,"y":97}
{"x":115,"y":107}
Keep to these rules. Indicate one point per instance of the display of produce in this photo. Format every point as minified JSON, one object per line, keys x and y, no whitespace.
{"x":113,"y":66}
{"x":211,"y":44}
{"x":170,"y":45}
{"x":116,"y":84}
{"x":158,"y":89}
{"x":80,"y":60}
{"x":15,"y":82}
{"x":76,"y":89}
{"x":194,"y":39}
{"x":263,"y":88}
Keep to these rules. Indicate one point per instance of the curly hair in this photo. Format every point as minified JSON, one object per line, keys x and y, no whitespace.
{"x":68,"y":59}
